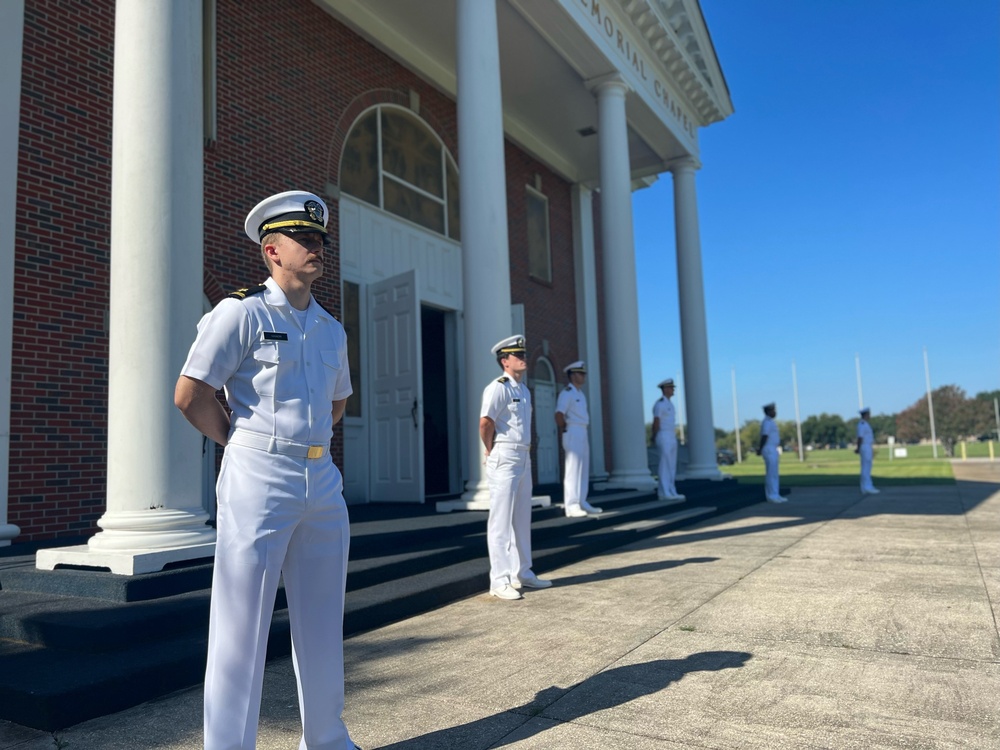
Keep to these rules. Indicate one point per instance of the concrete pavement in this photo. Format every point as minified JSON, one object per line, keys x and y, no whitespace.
{"x":834,"y":621}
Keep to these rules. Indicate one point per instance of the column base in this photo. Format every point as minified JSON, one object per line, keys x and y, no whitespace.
{"x":637,"y":479}
{"x":704,"y":471}
{"x":121,"y":562}
{"x":135,"y":531}
{"x":8,"y":531}
{"x":475,"y":501}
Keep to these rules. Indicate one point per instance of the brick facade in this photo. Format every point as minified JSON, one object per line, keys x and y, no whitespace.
{"x":286,"y":100}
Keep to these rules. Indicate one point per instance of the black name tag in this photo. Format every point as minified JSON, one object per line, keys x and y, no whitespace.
{"x":275,"y":336}
{"x":516,"y":400}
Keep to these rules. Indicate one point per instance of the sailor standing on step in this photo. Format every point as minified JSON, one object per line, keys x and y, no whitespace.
{"x":282,"y":360}
{"x":505,"y":429}
{"x":572,"y":420}
{"x":665,"y":435}
{"x":866,"y":441}
{"x":768,"y":449}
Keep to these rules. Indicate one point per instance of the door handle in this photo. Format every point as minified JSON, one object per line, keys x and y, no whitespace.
{"x":413,"y":413}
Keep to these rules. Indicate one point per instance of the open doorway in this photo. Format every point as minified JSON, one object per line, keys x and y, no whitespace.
{"x":437,"y":417}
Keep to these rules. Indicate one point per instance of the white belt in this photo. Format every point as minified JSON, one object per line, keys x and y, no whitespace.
{"x":270,"y":444}
{"x":514,"y":446}
{"x":577,"y":424}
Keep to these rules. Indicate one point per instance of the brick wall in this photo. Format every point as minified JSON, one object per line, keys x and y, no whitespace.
{"x":60,"y":348}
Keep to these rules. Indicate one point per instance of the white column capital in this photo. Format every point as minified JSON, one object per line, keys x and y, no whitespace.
{"x":608,"y":85}
{"x":683,"y":164}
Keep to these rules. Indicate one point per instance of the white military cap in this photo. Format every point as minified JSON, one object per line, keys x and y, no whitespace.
{"x":768,"y":406}
{"x":578,"y":366}
{"x":865,"y":410}
{"x":293,"y":211}
{"x":665,"y":383}
{"x":509,"y":345}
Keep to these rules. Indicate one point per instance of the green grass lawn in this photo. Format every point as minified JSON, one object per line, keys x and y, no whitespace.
{"x":841,"y":467}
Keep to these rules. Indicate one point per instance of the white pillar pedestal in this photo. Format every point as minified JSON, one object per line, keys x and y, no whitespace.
{"x":588,"y":342}
{"x":483,"y":193}
{"x":154,"y":513}
{"x":621,"y":308}
{"x":694,"y":329}
{"x":11,"y":44}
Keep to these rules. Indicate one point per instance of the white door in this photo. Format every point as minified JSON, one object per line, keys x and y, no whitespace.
{"x":397,"y":451}
{"x":547,"y":452}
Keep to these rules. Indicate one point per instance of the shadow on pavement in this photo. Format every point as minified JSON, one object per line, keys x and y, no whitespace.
{"x":607,"y":689}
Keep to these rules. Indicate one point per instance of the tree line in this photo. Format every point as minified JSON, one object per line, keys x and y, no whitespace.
{"x":956,"y":418}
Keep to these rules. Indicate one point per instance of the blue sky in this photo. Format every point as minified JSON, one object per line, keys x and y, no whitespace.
{"x":850,"y":207}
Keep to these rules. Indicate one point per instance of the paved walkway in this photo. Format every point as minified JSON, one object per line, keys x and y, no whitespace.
{"x":834,"y":621}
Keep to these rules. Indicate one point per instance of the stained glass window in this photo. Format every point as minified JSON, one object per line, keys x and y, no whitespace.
{"x":539,"y":259}
{"x":394,"y":161}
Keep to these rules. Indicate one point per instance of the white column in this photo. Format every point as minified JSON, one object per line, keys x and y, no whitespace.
{"x":483,"y":193}
{"x":588,"y":345}
{"x":629,"y":466}
{"x":154,"y":512}
{"x":694,"y":330}
{"x":11,"y":43}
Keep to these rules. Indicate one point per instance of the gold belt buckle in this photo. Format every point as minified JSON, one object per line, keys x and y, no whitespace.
{"x":315,"y":451}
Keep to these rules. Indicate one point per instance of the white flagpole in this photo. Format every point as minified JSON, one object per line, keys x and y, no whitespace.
{"x":798,"y":421}
{"x":930,"y":402}
{"x":736,"y":420}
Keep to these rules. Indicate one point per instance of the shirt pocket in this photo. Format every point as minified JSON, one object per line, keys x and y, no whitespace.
{"x":278,"y":374}
{"x":331,"y":371}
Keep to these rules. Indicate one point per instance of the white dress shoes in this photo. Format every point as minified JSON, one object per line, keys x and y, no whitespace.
{"x":576,"y":512}
{"x":531,"y":583}
{"x":507,"y":592}
{"x":591,"y":509}
{"x":777,"y":499}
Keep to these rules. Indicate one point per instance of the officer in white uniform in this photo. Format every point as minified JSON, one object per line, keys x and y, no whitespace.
{"x":866,"y":441}
{"x":282,"y":359}
{"x":768,"y":449}
{"x":665,"y":435}
{"x":505,"y":429}
{"x":572,"y":420}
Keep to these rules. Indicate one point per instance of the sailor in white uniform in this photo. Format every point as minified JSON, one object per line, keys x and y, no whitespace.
{"x":505,"y":429}
{"x":866,"y":441}
{"x":768,"y":449}
{"x":572,"y":420}
{"x":282,"y":359}
{"x":665,"y":435}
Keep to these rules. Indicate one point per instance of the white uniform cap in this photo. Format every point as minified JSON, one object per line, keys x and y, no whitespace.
{"x":664,"y":383}
{"x":866,"y":410}
{"x":578,"y":366}
{"x":509,"y":345}
{"x":293,"y":211}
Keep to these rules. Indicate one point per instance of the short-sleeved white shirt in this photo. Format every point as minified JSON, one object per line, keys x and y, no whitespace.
{"x":572,"y":404}
{"x":664,"y":410}
{"x":508,"y":404}
{"x":865,"y":433}
{"x":769,"y":428}
{"x":280,"y":378}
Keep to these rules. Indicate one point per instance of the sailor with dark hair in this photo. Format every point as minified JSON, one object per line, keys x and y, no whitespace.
{"x":505,"y":429}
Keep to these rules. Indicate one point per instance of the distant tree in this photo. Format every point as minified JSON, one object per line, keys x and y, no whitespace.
{"x":955,"y":417}
{"x":826,"y":430}
{"x":750,"y":436}
{"x":788,"y":434}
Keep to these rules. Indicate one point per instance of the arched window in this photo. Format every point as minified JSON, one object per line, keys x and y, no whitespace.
{"x":394,"y":161}
{"x":544,"y":372}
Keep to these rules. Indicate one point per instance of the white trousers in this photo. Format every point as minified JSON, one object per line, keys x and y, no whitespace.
{"x":508,"y":529}
{"x":866,"y":467}
{"x":278,"y":516}
{"x":771,"y":486}
{"x":666,"y":441}
{"x":576,"y":479}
